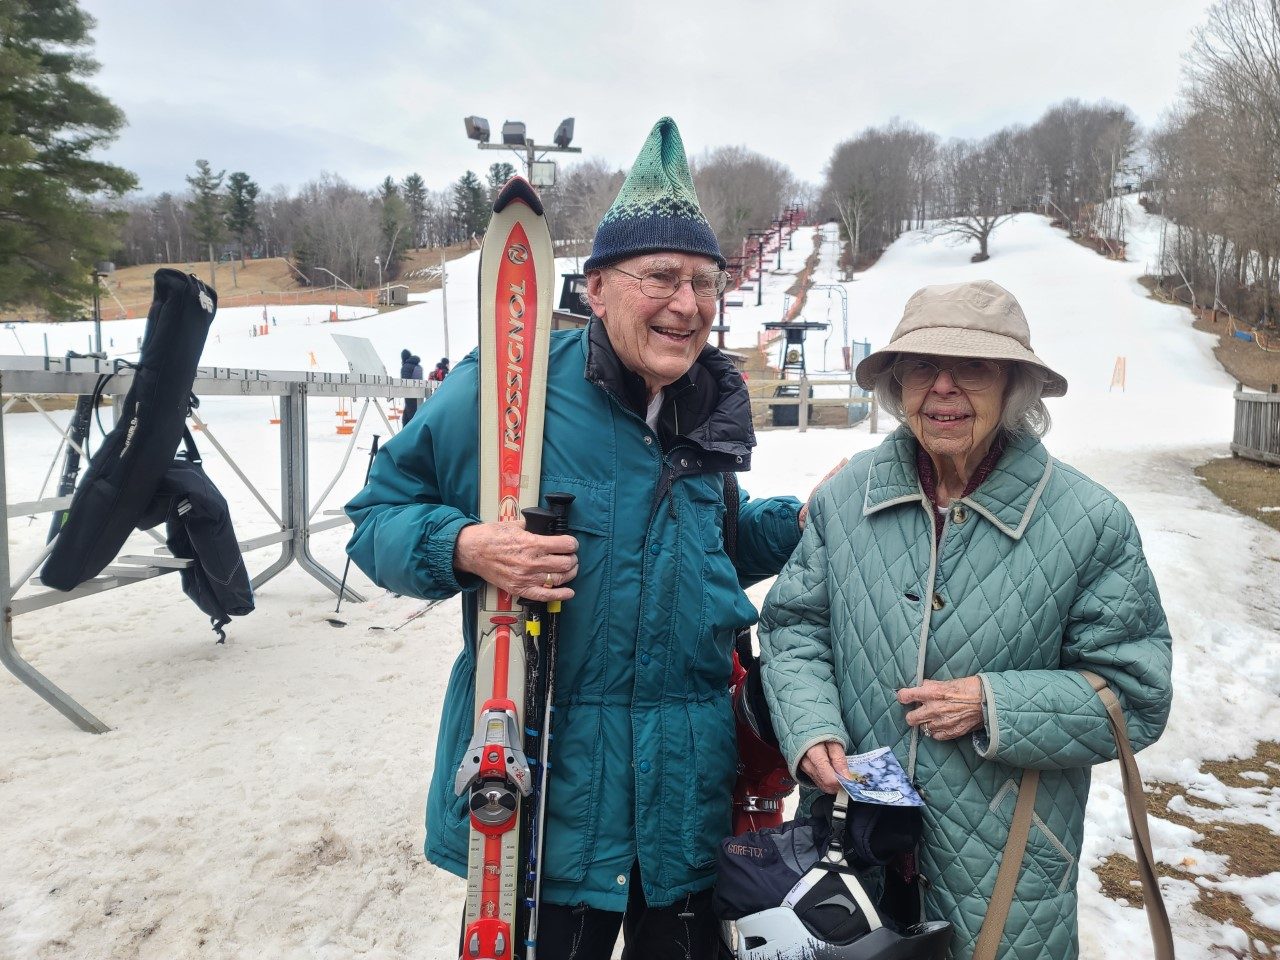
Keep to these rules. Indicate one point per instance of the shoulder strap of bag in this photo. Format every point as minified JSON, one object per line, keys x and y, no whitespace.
{"x":1136,"y":801}
{"x":1015,"y":846}
{"x":1010,"y":865}
{"x":732,"y":500}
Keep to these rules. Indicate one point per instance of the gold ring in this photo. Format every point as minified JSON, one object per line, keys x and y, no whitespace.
{"x":549,"y":583}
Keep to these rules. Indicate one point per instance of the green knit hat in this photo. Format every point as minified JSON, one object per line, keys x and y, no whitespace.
{"x":657,"y":207}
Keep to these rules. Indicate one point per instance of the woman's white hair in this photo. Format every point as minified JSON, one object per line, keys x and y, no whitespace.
{"x":1024,"y":412}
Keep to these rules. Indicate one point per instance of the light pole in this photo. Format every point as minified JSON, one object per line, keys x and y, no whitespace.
{"x":759,"y":236}
{"x":778,"y":225}
{"x":377,"y":262}
{"x":100,"y":270}
{"x":515,"y":140}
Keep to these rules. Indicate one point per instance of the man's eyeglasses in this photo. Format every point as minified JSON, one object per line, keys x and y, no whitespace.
{"x":663,"y":285}
{"x":916,"y":373}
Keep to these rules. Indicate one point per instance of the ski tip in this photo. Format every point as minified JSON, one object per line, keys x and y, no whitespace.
{"x":517,"y":189}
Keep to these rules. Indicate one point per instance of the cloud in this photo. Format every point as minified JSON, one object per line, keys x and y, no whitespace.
{"x":284,"y":89}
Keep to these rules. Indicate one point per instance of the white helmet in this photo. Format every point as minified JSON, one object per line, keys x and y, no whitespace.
{"x":780,"y":934}
{"x":827,"y":914}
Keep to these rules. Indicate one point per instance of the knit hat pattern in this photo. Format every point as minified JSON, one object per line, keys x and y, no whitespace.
{"x":657,"y":207}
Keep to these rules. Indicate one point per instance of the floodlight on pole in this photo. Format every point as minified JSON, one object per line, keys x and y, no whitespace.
{"x":564,"y":133}
{"x":513,"y":133}
{"x":515,"y":138}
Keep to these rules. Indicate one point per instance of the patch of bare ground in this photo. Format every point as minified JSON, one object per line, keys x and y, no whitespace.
{"x":269,"y":280}
{"x":1251,"y":487}
{"x":1256,"y":368}
{"x":1250,"y":850}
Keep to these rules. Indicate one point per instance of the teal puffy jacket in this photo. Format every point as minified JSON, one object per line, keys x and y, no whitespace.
{"x":1040,"y":573}
{"x":643,"y":755}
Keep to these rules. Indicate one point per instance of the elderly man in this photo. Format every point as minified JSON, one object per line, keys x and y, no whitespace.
{"x":643,"y":421}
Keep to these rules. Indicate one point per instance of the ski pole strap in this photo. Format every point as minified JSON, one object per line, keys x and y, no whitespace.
{"x":1015,"y":846}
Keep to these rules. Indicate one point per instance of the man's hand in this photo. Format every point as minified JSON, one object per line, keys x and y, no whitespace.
{"x":804,"y":511}
{"x":947,"y":708}
{"x":519,"y":562}
{"x":820,"y":763}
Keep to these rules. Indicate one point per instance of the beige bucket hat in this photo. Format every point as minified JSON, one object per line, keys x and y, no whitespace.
{"x":974,"y":319}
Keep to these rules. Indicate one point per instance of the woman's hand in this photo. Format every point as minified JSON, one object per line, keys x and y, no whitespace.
{"x":523,"y":564}
{"x":820,"y":763}
{"x":946,"y":709}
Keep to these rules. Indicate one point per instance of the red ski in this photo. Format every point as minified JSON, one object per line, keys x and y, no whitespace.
{"x":517,"y":268}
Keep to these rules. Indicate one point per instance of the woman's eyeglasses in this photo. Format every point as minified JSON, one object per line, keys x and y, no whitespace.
{"x":916,"y":373}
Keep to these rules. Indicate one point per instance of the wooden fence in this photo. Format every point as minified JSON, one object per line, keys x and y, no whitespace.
{"x":762,"y":395}
{"x":1257,"y":432}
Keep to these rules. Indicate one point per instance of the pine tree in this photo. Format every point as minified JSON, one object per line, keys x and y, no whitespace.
{"x":415,"y":198}
{"x":241,"y":208}
{"x":206,"y":211}
{"x":51,"y":122}
{"x":395,"y":226}
{"x":471,"y":206}
{"x":499,"y":174}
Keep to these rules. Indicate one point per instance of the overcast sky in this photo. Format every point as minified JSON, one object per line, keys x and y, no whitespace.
{"x":286,"y":89}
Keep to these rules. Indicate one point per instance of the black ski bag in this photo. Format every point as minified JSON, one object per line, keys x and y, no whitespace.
{"x":122,"y":477}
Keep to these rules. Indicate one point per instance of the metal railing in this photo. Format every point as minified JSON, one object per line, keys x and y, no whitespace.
{"x":28,"y":376}
{"x":805,"y":399}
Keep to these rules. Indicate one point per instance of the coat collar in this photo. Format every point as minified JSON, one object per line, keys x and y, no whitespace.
{"x":708,"y":407}
{"x":1007,"y":498}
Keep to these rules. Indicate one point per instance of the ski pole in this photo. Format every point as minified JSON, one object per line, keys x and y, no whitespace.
{"x":540,"y":522}
{"x":342,"y":588}
{"x":559,"y":507}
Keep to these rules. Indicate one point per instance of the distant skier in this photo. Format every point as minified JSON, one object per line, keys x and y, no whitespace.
{"x":410,"y":369}
{"x":442,"y":370}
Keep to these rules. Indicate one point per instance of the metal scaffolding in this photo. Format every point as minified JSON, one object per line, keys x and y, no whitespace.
{"x":20,"y":375}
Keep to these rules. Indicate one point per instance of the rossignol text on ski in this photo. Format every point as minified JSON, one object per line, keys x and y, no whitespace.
{"x":516,"y":267}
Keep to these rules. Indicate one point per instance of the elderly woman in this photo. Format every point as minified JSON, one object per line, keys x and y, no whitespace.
{"x":950,"y":585}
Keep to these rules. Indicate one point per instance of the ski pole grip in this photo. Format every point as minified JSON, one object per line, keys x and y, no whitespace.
{"x":539,"y":521}
{"x":559,"y":504}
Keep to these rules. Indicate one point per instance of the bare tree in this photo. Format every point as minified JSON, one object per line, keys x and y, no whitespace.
{"x":1217,"y":163}
{"x":880,"y":182}
{"x":740,"y":189}
{"x":581,"y":199}
{"x":976,"y":190}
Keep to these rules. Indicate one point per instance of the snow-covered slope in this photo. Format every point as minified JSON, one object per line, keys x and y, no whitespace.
{"x":299,"y":338}
{"x":264,"y":798}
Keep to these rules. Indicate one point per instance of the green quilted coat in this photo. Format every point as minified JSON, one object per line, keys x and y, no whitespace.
{"x":1039,"y":573}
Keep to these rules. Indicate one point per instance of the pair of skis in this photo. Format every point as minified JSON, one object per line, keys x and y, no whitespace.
{"x":515,"y":653}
